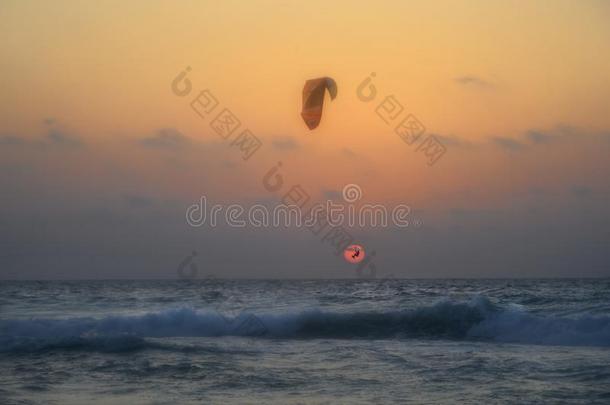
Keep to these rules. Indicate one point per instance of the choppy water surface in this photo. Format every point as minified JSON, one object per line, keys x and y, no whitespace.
{"x":390,"y":341}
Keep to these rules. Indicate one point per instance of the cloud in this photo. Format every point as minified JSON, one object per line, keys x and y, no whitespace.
{"x":10,"y":140}
{"x":167,"y":138}
{"x":563,"y":132}
{"x":138,"y":234}
{"x":532,"y":138}
{"x":56,"y":137}
{"x":284,"y":143}
{"x":470,"y":80}
{"x":53,"y":137}
{"x":539,"y":137}
{"x":452,"y":140}
{"x":507,"y":143}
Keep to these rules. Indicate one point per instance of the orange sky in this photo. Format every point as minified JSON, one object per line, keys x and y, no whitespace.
{"x":104,"y":69}
{"x":518,"y":92}
{"x":105,"y":66}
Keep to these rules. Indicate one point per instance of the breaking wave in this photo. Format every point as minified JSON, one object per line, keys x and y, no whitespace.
{"x":477,"y":320}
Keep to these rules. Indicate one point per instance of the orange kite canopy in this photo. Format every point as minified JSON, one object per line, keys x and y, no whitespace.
{"x":313,"y":99}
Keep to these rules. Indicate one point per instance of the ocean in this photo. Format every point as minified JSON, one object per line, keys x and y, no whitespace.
{"x":305,"y":341}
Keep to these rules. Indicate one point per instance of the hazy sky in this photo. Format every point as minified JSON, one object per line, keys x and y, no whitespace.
{"x":99,"y":159}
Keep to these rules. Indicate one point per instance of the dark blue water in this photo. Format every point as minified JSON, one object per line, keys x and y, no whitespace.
{"x":342,"y":341}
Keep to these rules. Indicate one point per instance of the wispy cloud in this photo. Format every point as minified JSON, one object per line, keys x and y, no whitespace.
{"x":540,"y":137}
{"x":59,"y":138}
{"x":284,"y":143}
{"x":471,"y":80}
{"x":10,"y":140}
{"x":167,"y":138}
{"x":507,"y":143}
{"x":53,"y":137}
{"x":453,"y":141}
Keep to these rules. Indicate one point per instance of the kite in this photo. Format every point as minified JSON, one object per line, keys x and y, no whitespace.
{"x":313,"y":99}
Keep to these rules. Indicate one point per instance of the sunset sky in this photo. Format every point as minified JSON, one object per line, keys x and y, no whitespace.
{"x":99,"y":159}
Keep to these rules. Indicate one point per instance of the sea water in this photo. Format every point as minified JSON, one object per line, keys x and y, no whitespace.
{"x":305,"y":341}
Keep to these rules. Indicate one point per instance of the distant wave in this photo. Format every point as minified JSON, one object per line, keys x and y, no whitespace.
{"x":26,"y":344}
{"x":478,"y":319}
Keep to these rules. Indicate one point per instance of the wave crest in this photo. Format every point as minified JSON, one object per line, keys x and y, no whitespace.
{"x":478,"y":319}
